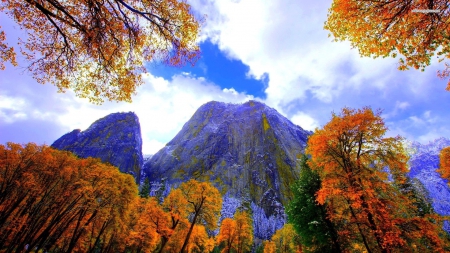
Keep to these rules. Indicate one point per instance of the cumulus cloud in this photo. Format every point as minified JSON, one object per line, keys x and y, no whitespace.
{"x":286,"y":40}
{"x":305,"y":121}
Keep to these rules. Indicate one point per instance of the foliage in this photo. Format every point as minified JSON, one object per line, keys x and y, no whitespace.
{"x":237,"y":233}
{"x":176,"y":207}
{"x":52,"y":201}
{"x":355,"y":162}
{"x":269,"y":247}
{"x":310,"y":221}
{"x":227,"y":234}
{"x":389,"y":28}
{"x":204,"y":203}
{"x":444,"y":166}
{"x":98,"y":48}
{"x":286,"y":240}
{"x":146,"y":225}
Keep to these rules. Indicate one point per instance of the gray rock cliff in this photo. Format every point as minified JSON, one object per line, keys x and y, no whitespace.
{"x":115,"y":139}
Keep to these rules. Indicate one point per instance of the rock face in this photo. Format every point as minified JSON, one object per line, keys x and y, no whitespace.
{"x":115,"y":138}
{"x":424,"y":162}
{"x":249,"y":151}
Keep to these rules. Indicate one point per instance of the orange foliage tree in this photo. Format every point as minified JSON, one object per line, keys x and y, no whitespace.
{"x":50,"y":200}
{"x":175,"y":204}
{"x":354,"y":161}
{"x":244,"y":231}
{"x":269,"y":247}
{"x":415,"y":29}
{"x":146,"y":225}
{"x":98,"y":48}
{"x":444,"y":166}
{"x":204,"y":203}
{"x":199,"y":240}
{"x":227,"y":234}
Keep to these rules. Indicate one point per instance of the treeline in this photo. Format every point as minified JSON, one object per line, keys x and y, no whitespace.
{"x":52,"y":201}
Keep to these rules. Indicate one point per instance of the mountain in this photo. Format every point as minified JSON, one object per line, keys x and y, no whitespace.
{"x":115,"y":139}
{"x":424,"y":162}
{"x":249,"y":151}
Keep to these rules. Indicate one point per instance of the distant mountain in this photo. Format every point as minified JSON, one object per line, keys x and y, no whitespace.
{"x":424,"y":162}
{"x":249,"y":151}
{"x":115,"y":139}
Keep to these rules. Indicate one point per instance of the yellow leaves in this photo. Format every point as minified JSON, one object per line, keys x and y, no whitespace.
{"x":54,"y":191}
{"x":444,"y":163}
{"x":285,"y":240}
{"x":7,"y":54}
{"x":113,"y":38}
{"x":236,"y":233}
{"x":269,"y":247}
{"x":380,"y":28}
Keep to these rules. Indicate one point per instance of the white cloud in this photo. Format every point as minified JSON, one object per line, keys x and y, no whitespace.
{"x":305,"y":121}
{"x":286,"y":40}
{"x":12,"y":109}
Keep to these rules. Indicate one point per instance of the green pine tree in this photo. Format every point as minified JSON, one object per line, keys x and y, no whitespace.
{"x":317,"y":232}
{"x":145,"y":189}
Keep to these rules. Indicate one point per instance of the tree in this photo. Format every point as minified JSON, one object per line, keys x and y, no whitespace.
{"x":175,"y":204}
{"x":204,"y":205}
{"x":354,"y":161}
{"x":286,"y":240}
{"x":236,"y":233}
{"x":309,"y":218}
{"x":244,"y":231}
{"x":444,"y":166}
{"x":144,"y":226}
{"x":227,"y":234}
{"x":269,"y":247}
{"x":98,"y":48}
{"x":145,"y":189}
{"x":390,"y":28}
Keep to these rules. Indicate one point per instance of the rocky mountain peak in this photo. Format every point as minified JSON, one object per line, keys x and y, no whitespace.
{"x":115,"y":138}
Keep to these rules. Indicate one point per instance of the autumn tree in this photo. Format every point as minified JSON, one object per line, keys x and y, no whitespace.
{"x":286,"y":240}
{"x":227,"y":234}
{"x":444,"y":163}
{"x":309,"y":218}
{"x":98,"y":48}
{"x":414,"y":29}
{"x":244,"y":231}
{"x":269,"y":247}
{"x":147,"y":226}
{"x":204,"y":205}
{"x":176,"y":206}
{"x":354,"y":161}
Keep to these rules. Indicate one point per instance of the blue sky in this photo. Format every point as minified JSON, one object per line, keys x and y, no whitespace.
{"x":273,"y":51}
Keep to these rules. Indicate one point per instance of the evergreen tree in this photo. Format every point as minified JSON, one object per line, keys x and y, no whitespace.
{"x":145,"y":189}
{"x":310,"y":221}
